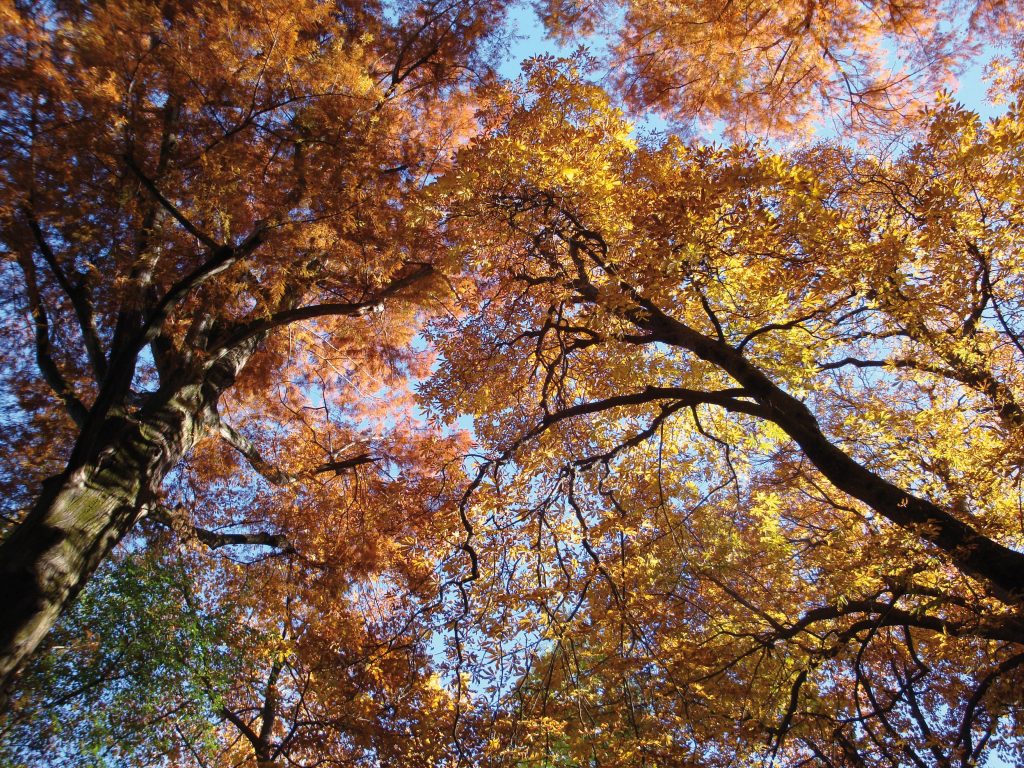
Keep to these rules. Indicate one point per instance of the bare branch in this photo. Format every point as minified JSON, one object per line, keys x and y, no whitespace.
{"x":726,"y":398}
{"x":176,"y":521}
{"x":245,"y":446}
{"x":343,"y":464}
{"x":217,"y":539}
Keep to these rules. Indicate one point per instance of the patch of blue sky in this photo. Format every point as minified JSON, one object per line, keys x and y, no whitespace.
{"x":529,"y":39}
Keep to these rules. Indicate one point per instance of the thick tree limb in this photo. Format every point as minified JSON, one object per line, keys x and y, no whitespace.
{"x":83,"y":512}
{"x":125,"y":350}
{"x":241,"y":725}
{"x":245,"y":446}
{"x":219,"y":539}
{"x":973,"y":553}
{"x":128,"y":342}
{"x":268,"y":712}
{"x":343,"y":464}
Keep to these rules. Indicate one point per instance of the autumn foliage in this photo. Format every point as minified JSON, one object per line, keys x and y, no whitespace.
{"x":764,"y":425}
{"x":363,"y":408}
{"x":212,"y":289}
{"x":770,"y":67}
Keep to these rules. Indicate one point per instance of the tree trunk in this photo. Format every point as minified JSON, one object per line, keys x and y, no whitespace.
{"x":85,"y":511}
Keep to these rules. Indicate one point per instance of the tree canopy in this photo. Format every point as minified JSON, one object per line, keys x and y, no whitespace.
{"x":775,"y":66}
{"x":363,"y":408}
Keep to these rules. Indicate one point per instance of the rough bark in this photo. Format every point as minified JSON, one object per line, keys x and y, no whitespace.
{"x":83,"y":513}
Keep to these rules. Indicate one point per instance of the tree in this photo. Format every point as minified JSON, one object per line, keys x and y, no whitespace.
{"x":753,"y":437}
{"x":197,"y":200}
{"x":778,"y":67}
{"x":749,"y":480}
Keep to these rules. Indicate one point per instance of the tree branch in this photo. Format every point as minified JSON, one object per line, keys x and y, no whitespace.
{"x":964,"y":736}
{"x":786,"y":326}
{"x":245,"y":446}
{"x":973,"y":553}
{"x":51,"y":373}
{"x":170,"y":207}
{"x":218,"y":539}
{"x":221,"y":257}
{"x":242,"y":726}
{"x":975,"y":377}
{"x":726,"y":398}
{"x":79,"y":298}
{"x":245,"y":331}
{"x":1010,"y":629}
{"x":274,"y":475}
